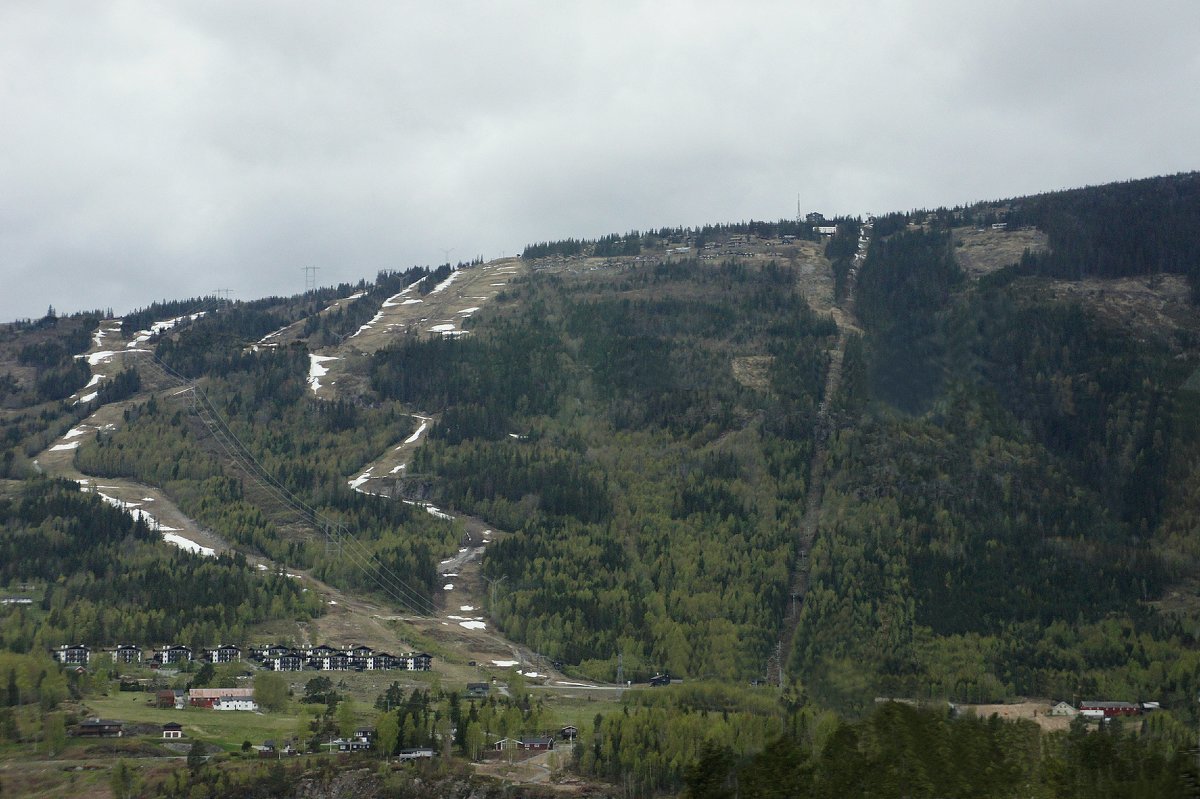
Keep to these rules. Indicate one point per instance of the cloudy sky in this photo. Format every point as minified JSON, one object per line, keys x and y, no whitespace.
{"x":169,"y":149}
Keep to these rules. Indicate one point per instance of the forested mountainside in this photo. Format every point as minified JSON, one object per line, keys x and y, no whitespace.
{"x":942,"y":455}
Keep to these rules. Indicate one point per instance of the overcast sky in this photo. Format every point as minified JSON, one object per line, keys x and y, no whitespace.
{"x":169,"y":149}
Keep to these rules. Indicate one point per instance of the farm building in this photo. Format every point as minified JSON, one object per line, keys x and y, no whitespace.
{"x":208,"y":697}
{"x":1103,"y":709}
{"x":1063,"y":709}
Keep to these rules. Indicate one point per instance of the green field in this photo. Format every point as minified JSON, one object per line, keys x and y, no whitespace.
{"x":227,"y":729}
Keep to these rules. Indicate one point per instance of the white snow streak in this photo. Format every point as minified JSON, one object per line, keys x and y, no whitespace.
{"x":316,"y":371}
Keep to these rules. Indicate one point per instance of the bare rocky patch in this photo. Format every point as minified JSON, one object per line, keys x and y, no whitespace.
{"x":981,"y":252}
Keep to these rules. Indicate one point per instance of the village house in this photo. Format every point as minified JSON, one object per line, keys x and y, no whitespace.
{"x":100,"y":728}
{"x":268,"y":749}
{"x":175,"y":653}
{"x":269,"y":652}
{"x":379,"y":661}
{"x":537,"y":744}
{"x":234,"y":703}
{"x":226,"y":653}
{"x":477,"y":690}
{"x":321,"y":651}
{"x":1063,"y":709}
{"x":127,"y":653}
{"x":167,"y":698}
{"x":330,"y":660}
{"x":72,"y":655}
{"x":415,"y":754}
{"x":208,"y":697}
{"x":289,"y":661}
{"x":350,"y":744}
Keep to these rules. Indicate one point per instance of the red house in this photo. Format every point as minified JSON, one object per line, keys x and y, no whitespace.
{"x":1109,"y":709}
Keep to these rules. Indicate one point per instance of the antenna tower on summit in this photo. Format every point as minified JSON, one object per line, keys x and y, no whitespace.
{"x":799,"y":218}
{"x":310,"y":278}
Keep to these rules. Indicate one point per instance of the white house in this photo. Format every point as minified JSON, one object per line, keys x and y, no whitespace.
{"x":1063,"y":709}
{"x":234,"y":703}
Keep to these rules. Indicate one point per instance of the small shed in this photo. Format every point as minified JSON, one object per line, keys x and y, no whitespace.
{"x":172,"y":729}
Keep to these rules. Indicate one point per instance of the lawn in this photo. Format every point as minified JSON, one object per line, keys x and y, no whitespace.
{"x":225,"y":728}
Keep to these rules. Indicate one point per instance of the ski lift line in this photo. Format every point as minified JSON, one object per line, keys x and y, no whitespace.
{"x":365,"y":560}
{"x":399,"y":586}
{"x":356,"y":551}
{"x":362,"y":558}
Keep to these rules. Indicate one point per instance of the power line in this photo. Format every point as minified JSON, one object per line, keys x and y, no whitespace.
{"x":336,"y":535}
{"x":310,"y":278}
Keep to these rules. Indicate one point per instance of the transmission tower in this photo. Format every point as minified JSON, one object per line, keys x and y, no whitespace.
{"x":310,"y":278}
{"x":799,"y":217}
{"x":333,"y":544}
{"x":494,"y":587}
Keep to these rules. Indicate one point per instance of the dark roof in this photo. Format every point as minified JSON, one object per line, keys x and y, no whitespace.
{"x":172,"y":725}
{"x":1105,"y":703}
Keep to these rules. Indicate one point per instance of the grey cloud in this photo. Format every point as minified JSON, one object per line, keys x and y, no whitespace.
{"x":178,"y":148}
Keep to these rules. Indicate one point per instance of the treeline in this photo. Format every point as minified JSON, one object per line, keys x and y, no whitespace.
{"x":49,"y":347}
{"x":1140,"y":228}
{"x":710,"y":740}
{"x":109,"y":577}
{"x":326,"y":329}
{"x":905,"y":751}
{"x":633,"y":242}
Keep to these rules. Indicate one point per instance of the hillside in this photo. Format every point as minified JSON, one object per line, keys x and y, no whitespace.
{"x":943,"y":456}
